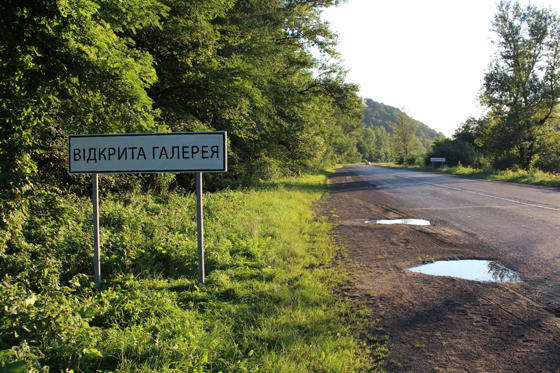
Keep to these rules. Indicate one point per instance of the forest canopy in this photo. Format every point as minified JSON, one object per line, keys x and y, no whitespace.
{"x":384,"y":139}
{"x":118,"y":66}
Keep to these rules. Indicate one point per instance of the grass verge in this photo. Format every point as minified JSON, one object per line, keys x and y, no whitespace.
{"x":267,"y":306}
{"x":532,"y":176}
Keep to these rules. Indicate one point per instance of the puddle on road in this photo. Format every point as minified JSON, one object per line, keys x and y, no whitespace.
{"x":476,"y":270}
{"x":399,"y":221}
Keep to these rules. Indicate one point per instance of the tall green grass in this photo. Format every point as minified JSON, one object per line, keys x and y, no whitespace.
{"x":532,"y":176}
{"x":267,"y":305}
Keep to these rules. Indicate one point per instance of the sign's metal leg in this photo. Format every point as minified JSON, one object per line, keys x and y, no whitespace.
{"x":96,"y":253}
{"x":200,"y":227}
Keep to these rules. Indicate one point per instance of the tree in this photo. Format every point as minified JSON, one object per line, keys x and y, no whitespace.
{"x":68,"y":65}
{"x":383,"y":151}
{"x":404,"y":134}
{"x":549,"y":158}
{"x":522,"y":86}
{"x":245,"y":66}
{"x":469,"y":130}
{"x":455,"y":152}
{"x":110,"y":66}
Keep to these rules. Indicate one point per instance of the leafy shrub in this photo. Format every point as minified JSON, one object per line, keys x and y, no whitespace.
{"x":260,"y":309}
{"x":455,"y":152}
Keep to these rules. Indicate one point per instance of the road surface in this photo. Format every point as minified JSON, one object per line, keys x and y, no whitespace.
{"x":445,"y":323}
{"x":519,"y":224}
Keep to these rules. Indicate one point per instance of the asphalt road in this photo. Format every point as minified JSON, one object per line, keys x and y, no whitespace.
{"x":516,"y":225}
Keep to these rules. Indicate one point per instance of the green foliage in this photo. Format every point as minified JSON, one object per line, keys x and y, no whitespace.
{"x":395,"y":135}
{"x":266,"y":305}
{"x":549,"y":157}
{"x":521,"y":94}
{"x":93,"y":66}
{"x":67,"y":65}
{"x":379,"y":115}
{"x":246,"y":67}
{"x":411,"y":160}
{"x":469,"y":131}
{"x":404,"y":137}
{"x":532,"y":176}
{"x":456,"y":152}
{"x":375,"y":144}
{"x":522,"y":86}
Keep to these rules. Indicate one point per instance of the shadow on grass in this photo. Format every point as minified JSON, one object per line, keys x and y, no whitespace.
{"x":306,"y":183}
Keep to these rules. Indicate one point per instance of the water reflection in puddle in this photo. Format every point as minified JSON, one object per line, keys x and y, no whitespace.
{"x":400,"y":221}
{"x":476,"y":270}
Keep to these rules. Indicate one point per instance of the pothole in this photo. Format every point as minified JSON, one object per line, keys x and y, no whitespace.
{"x":475,"y":270}
{"x":398,"y":221}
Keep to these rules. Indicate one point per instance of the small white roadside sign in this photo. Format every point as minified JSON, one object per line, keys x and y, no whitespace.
{"x":434,"y":160}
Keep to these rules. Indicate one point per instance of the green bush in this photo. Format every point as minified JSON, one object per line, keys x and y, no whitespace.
{"x":262,"y":307}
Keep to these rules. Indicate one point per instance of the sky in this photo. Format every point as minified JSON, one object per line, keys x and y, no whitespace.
{"x":428,"y":56}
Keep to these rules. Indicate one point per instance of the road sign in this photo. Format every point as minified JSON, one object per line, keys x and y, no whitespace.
{"x":437,"y":159}
{"x":147,"y":153}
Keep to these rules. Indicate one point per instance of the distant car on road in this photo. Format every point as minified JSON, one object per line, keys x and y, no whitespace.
{"x":368,"y":163}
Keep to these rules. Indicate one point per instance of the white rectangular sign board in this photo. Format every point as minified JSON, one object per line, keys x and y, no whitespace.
{"x":437,"y":159}
{"x":148,"y":153}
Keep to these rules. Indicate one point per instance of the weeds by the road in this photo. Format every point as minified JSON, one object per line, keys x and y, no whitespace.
{"x":532,"y":176}
{"x":267,"y":305}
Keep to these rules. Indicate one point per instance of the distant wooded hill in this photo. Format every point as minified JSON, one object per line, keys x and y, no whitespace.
{"x":377,"y":114}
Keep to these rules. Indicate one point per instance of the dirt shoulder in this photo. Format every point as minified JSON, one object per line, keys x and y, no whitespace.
{"x":435,"y":323}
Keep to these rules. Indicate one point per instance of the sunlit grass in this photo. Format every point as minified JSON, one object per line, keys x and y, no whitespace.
{"x":267,"y":304}
{"x":532,"y":176}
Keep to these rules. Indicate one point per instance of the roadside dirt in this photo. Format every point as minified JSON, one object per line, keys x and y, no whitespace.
{"x":435,"y":323}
